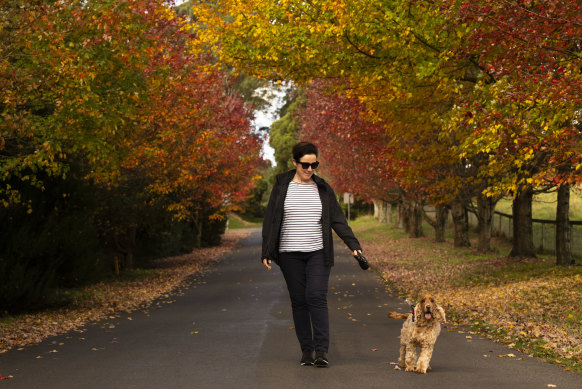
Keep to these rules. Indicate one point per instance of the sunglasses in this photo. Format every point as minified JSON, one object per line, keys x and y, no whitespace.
{"x":305,"y":165}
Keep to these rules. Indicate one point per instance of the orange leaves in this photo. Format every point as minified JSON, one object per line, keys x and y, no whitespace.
{"x":145,"y":106}
{"x":525,"y":303}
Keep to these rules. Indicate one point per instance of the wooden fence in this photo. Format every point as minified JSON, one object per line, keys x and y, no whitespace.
{"x":544,"y":232}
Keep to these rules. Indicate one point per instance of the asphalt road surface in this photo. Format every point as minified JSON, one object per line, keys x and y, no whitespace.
{"x":234,"y":330}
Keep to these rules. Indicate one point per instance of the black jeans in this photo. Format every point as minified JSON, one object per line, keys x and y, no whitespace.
{"x":307,"y":279}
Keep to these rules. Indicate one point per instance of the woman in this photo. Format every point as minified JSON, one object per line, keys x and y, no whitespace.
{"x":297,"y":236}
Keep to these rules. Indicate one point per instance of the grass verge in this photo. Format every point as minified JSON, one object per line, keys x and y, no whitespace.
{"x":527,"y":303}
{"x":236,"y":222}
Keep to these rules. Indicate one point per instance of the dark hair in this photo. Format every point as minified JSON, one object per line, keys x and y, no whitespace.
{"x":303,"y":148}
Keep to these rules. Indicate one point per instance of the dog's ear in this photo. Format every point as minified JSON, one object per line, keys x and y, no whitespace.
{"x":418,"y":312}
{"x":440,"y":314}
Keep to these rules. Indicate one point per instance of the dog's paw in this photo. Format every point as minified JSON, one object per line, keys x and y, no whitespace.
{"x":420,"y":371}
{"x":409,"y":368}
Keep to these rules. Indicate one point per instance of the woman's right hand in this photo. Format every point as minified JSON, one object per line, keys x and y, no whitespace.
{"x":267,"y":263}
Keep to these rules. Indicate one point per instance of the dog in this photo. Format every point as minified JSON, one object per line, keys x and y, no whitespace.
{"x":421,"y":329}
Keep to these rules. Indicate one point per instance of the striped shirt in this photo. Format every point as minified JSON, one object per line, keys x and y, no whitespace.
{"x":301,"y":229}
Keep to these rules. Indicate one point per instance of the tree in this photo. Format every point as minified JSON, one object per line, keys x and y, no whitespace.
{"x":495,"y":83}
{"x":129,"y":138}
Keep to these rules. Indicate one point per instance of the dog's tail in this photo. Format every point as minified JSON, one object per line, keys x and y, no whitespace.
{"x":396,"y":315}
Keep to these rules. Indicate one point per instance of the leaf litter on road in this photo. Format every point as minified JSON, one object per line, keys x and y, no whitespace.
{"x":107,"y":300}
{"x":529,"y":304}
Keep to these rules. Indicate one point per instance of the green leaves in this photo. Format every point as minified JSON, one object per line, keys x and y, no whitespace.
{"x":120,"y":88}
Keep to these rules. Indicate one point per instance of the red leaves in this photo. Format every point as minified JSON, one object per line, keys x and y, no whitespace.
{"x":352,"y":148}
{"x":130,"y":97}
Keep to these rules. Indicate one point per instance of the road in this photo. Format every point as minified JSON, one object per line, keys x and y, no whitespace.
{"x":234,"y":330}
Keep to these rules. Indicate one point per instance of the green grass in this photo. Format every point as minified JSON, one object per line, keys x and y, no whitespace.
{"x":368,"y":230}
{"x":237,"y":222}
{"x":544,"y":205}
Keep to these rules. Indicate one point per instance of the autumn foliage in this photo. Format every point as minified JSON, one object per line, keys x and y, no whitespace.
{"x":471,"y":99}
{"x":113,"y":123}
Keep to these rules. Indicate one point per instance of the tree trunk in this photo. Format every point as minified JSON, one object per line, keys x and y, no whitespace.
{"x":412,"y":217}
{"x":486,"y":207}
{"x":442,"y":214}
{"x":563,"y":231}
{"x":404,"y":215}
{"x":461,"y":224}
{"x":126,"y":246}
{"x":416,"y":220}
{"x":197,"y":226}
{"x":382,"y":211}
{"x":439,"y":222}
{"x":522,"y":225}
{"x":396,"y":221}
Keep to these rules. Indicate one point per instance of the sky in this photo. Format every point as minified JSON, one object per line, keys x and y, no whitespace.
{"x":266,"y":117}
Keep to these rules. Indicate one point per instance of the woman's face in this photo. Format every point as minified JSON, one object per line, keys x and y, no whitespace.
{"x":305,"y":174}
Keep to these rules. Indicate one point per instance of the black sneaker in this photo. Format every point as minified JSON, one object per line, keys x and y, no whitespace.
{"x":320,"y":359}
{"x":307,"y":358}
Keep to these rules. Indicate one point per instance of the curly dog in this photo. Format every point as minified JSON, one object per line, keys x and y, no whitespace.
{"x":421,"y":329}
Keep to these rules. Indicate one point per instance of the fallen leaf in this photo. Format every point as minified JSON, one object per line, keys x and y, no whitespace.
{"x":108,"y":300}
{"x":397,"y":367}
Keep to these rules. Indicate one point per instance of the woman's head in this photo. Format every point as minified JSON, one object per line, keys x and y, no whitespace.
{"x":303,"y":148}
{"x":305,"y":160}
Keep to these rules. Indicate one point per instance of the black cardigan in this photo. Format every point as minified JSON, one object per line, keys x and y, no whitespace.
{"x":332,"y":217}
